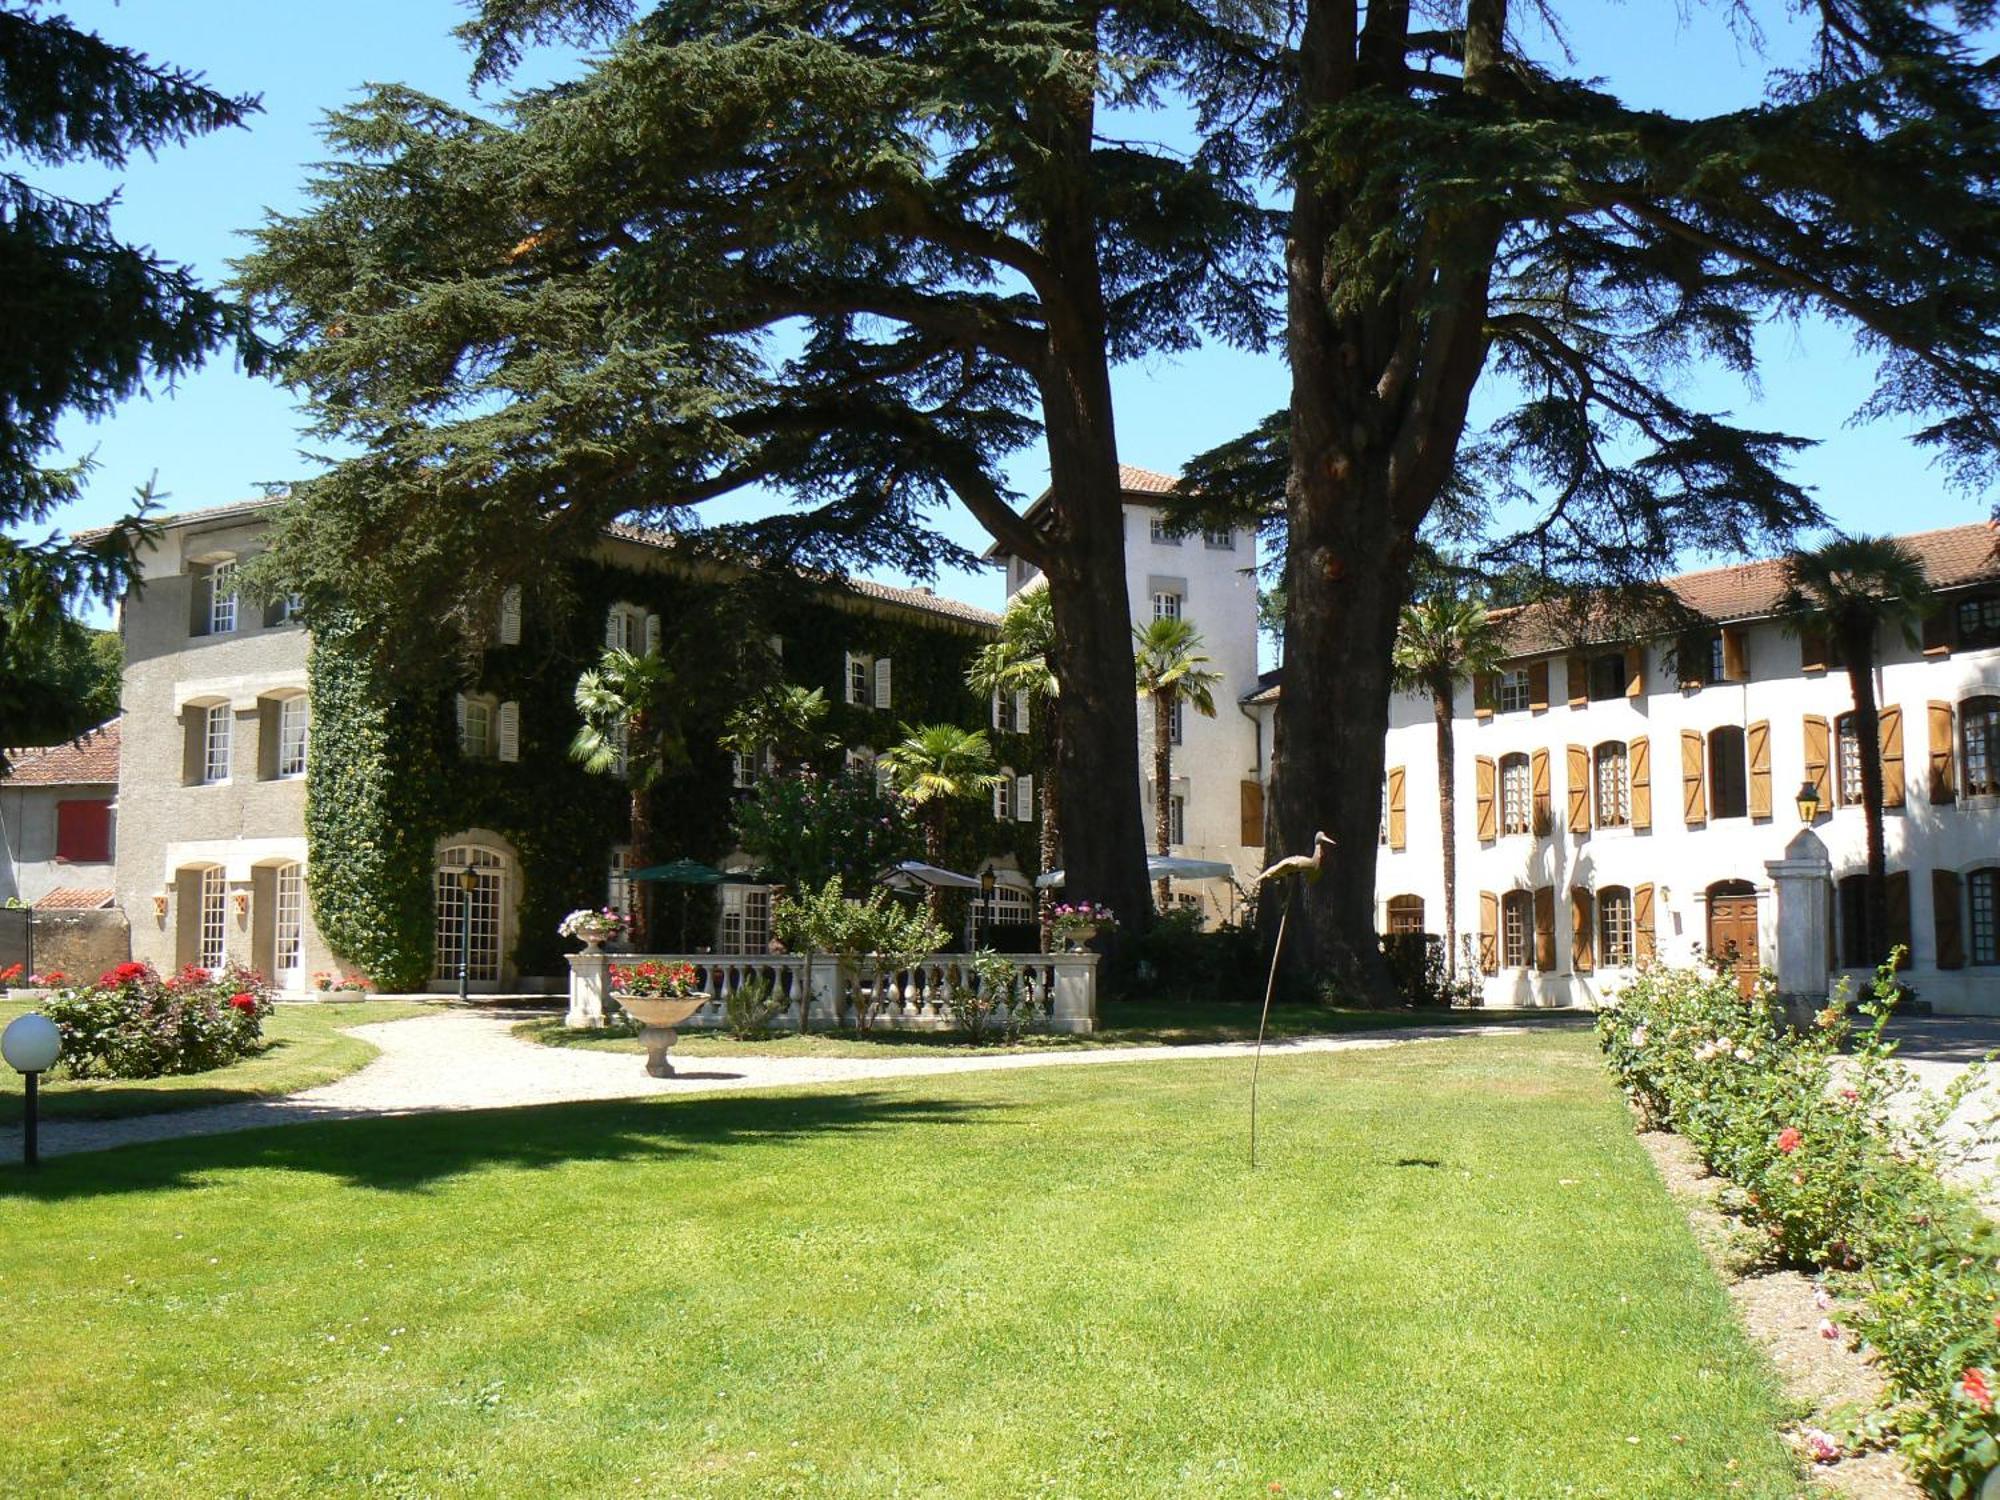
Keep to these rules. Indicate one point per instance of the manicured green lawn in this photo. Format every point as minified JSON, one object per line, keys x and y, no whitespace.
{"x":1454,"y":1275}
{"x":1123,"y":1024}
{"x":308,"y":1046}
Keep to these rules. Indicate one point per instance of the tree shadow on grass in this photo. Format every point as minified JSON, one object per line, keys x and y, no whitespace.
{"x":114,"y":1099}
{"x":412,"y":1153}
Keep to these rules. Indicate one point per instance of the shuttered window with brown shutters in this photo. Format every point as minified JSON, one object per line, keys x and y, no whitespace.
{"x":1545,"y":928}
{"x":1486,"y":819}
{"x":1635,"y":671}
{"x":1819,"y":759}
{"x":1944,"y":738}
{"x":1645,"y":948}
{"x":1897,"y":889}
{"x":1757,"y":739}
{"x":1578,"y":672}
{"x":1577,"y":784}
{"x":1891,"y":727}
{"x":1489,"y":933}
{"x":1541,"y":814}
{"x":1642,"y":782}
{"x":1694,"y":789}
{"x":1398,"y":823}
{"x":1582,"y":931}
{"x":1948,"y":918}
{"x":1538,"y":686}
{"x":1735,"y":654}
{"x":1250,"y":813}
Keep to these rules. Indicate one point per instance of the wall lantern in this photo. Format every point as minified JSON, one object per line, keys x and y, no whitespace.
{"x":160,"y":905}
{"x":242,"y":904}
{"x":1808,"y":801}
{"x":31,"y":1045}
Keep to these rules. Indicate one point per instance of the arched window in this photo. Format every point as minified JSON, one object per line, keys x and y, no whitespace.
{"x":1848,"y":753}
{"x":1611,"y":785}
{"x":1728,"y":773}
{"x":1983,"y":892}
{"x":1979,"y":737}
{"x":1854,"y":949}
{"x":288,"y":943}
{"x":468,"y":922}
{"x":213,"y":920}
{"x":1614,"y":927}
{"x":1517,"y":923}
{"x":1516,"y":795}
{"x":1406,"y":914}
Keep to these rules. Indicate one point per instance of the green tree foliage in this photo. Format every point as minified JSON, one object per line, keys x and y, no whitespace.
{"x":1173,"y":674}
{"x":63,"y":681}
{"x":1018,"y":664}
{"x":1462,"y":215}
{"x":786,"y":719}
{"x":1850,"y":588}
{"x":91,"y":319}
{"x":630,"y":730}
{"x":932,"y":767}
{"x":805,"y":830}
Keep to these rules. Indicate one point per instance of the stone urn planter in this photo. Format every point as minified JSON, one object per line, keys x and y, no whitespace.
{"x":1078,"y":938}
{"x":658,"y":1017}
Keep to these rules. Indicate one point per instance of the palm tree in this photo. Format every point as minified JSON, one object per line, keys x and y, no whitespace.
{"x":628,"y":730}
{"x":1442,"y":641}
{"x":931,"y":768}
{"x":1172,"y":672}
{"x":788,"y":718}
{"x":1850,"y":587}
{"x":1018,"y":662}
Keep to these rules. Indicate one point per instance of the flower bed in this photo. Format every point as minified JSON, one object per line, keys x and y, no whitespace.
{"x":132,"y":1023}
{"x":1840,"y":1164}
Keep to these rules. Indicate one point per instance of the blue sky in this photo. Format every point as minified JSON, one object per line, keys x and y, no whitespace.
{"x":221,"y":434}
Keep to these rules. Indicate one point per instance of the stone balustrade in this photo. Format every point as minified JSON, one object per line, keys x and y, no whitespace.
{"x":1064,"y":985}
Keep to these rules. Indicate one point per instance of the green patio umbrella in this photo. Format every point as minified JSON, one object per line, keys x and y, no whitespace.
{"x":684,"y":873}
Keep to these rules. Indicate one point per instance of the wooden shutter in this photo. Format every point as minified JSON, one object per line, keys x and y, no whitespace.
{"x":1541,"y":804}
{"x":1000,"y":789}
{"x":1538,"y":686}
{"x":1398,"y":822}
{"x":1947,"y":919}
{"x":1640,"y":770}
{"x":1579,"y":681}
{"x":613,"y":636}
{"x":1485,"y":691}
{"x":1890,"y":724}
{"x":1897,"y":889}
{"x":993,"y":710}
{"x":1024,"y":799}
{"x":1635,"y":671}
{"x":652,"y":635}
{"x":1812,"y":649}
{"x":1489,"y":933}
{"x":1582,"y":931}
{"x":1757,"y":749}
{"x":510,"y":615}
{"x":1644,"y":946}
{"x":510,"y":731}
{"x":1488,"y":826}
{"x":1250,"y":813}
{"x":1545,"y":928}
{"x":1819,"y":747}
{"x":459,"y":704}
{"x":1578,"y":786}
{"x":881,"y":682}
{"x":1944,"y":739}
{"x":1694,"y":789}
{"x":1938,"y":632}
{"x":1736,"y":653}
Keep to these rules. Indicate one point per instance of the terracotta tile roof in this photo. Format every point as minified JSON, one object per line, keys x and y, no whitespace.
{"x":73,"y":898}
{"x":91,"y":759}
{"x":193,"y":517}
{"x":1136,"y":481}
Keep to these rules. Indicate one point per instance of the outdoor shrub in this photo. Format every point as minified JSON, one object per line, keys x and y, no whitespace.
{"x":133,"y":1024}
{"x":1180,"y":961}
{"x":999,"y":999}
{"x":750,"y":1009}
{"x":1417,"y":967}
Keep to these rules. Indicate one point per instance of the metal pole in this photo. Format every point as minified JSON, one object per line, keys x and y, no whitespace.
{"x":464,"y":942}
{"x":31,"y":1146}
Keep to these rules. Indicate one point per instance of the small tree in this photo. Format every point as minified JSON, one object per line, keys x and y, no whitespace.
{"x":807,"y":829}
{"x":1850,"y":588}
{"x":930,"y":769}
{"x":1019,"y":662}
{"x":812,"y":921}
{"x":1173,"y":673}
{"x":787,"y":718}
{"x":1442,"y":641}
{"x":629,"y":730}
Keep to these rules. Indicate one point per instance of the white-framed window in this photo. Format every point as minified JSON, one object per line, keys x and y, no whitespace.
{"x":745,"y":925}
{"x":743,"y":769}
{"x":288,"y":930}
{"x":1983,"y":890}
{"x":1612,"y":786}
{"x":625,"y":628}
{"x":1979,"y":621}
{"x":1614,"y":927}
{"x":859,"y":758}
{"x":293,"y":721}
{"x":1003,"y":796}
{"x":219,"y":722}
{"x":618,"y":884}
{"x":1008,"y":905}
{"x":1177,"y":818}
{"x":284,"y":610}
{"x":1003,"y":711}
{"x":1849,"y":756}
{"x":221,"y":583}
{"x":1166,"y":604}
{"x":859,"y":681}
{"x":476,"y":739}
{"x":1161,"y":536}
{"x":1176,"y":723}
{"x":1718,"y":659}
{"x":468,"y":925}
{"x":214,"y":919}
{"x":1219,"y":541}
{"x":1515,"y":695}
{"x":1979,"y":737}
{"x":1516,"y":795}
{"x":1517,"y":920}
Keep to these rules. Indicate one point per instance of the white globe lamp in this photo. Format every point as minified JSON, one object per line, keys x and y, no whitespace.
{"x":31,"y":1044}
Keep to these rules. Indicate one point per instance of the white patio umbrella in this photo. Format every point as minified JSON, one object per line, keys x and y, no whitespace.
{"x":1164,"y":866}
{"x":914,"y":874}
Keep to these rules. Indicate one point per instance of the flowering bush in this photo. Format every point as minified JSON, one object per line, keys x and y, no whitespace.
{"x":667,"y":981}
{"x":590,"y":926}
{"x":977,"y":1009}
{"x":1071,"y":920}
{"x":132,"y":1023}
{"x":327,"y":982}
{"x":1842,"y":1161}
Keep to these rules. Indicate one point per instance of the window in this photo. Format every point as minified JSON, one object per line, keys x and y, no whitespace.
{"x":1607,"y":676}
{"x":1984,"y":887}
{"x":221,"y":586}
{"x":292,"y":715}
{"x":1515,"y":694}
{"x":475,"y":728}
{"x":211,"y":952}
{"x":625,"y":628}
{"x":1728,"y":773}
{"x":1219,"y":541}
{"x":1517,"y":920}
{"x":1849,"y":784}
{"x":1614,"y":927}
{"x":1854,"y":952}
{"x":860,"y":679}
{"x":1979,"y":621}
{"x":1177,"y":819}
{"x":1003,"y":712}
{"x":284,"y":610}
{"x":288,"y":928}
{"x":1008,"y":906}
{"x":1161,"y":536}
{"x":1382,"y":828}
{"x":468,"y":925}
{"x":1718,"y":665}
{"x":1979,"y":733}
{"x":743,"y":769}
{"x":746,"y":919}
{"x":1003,"y":796}
{"x":1166,"y":605}
{"x":618,"y":886}
{"x":218,"y":720}
{"x":1406,"y":914}
{"x":1516,"y":801}
{"x":83,"y":831}
{"x":1612,"y":786}
{"x":1176,"y":724}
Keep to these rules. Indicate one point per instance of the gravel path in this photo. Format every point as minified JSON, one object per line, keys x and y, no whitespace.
{"x":464,"y":1061}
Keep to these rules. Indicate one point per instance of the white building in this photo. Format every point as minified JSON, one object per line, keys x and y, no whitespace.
{"x":1210,"y":578}
{"x":1623,"y":799}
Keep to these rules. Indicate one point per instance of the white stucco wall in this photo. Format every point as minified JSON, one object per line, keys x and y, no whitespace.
{"x":29,"y":868}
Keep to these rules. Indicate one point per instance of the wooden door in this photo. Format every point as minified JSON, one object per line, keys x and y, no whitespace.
{"x":1732,"y":932}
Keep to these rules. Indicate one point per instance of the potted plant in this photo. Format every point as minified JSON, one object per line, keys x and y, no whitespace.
{"x":660,"y":997}
{"x":592,"y":928}
{"x":1076,"y":924}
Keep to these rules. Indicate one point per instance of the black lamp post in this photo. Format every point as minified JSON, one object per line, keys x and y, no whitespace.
{"x":1808,"y":802}
{"x":468,"y":882}
{"x":988,"y":883}
{"x":31,"y":1045}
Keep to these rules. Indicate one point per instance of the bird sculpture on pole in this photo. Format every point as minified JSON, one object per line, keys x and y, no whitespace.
{"x":1311,"y":866}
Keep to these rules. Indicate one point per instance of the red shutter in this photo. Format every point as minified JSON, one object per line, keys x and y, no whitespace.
{"x":83,"y":832}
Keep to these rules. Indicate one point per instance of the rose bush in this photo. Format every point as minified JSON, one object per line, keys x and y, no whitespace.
{"x":131,"y":1023}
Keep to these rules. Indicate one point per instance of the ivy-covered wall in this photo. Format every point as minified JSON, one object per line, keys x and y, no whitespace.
{"x":386,"y":782}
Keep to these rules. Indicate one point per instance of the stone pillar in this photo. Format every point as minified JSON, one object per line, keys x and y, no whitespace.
{"x":1799,"y":883}
{"x":1073,"y":1005}
{"x":589,"y":988}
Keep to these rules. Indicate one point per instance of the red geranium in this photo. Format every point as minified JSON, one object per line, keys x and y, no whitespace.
{"x":54,"y":976}
{"x":1788,"y":1140}
{"x":123,"y":974}
{"x":10,"y":973}
{"x":243,"y":1000}
{"x":1973,"y":1386}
